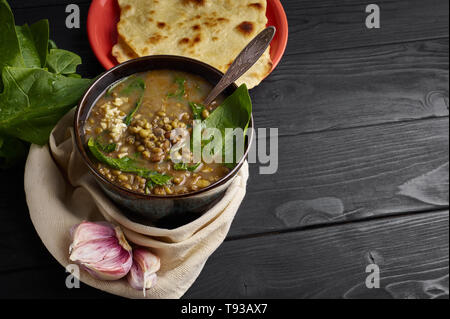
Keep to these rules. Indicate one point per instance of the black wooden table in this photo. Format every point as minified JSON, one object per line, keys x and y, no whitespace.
{"x":363,"y":176}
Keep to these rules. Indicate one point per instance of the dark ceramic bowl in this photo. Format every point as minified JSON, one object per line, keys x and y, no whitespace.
{"x":165,"y":211}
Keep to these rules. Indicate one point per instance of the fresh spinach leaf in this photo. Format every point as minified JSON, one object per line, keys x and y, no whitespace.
{"x":27,"y":47}
{"x":63,"y":62}
{"x":33,"y":101}
{"x":197,"y":109}
{"x":51,"y":45}
{"x":10,"y":54}
{"x":40,"y":32}
{"x":181,"y":91}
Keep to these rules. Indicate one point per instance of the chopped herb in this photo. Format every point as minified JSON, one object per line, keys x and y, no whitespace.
{"x":105,"y":147}
{"x":197,"y":109}
{"x":181,"y":91}
{"x":136,"y":84}
{"x":158,"y":180}
{"x":115,"y":85}
{"x":129,"y":117}
{"x":128,"y":165}
{"x":186,"y":167}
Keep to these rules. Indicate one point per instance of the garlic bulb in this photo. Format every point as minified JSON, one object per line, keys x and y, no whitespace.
{"x":142,"y":275}
{"x":101,"y":249}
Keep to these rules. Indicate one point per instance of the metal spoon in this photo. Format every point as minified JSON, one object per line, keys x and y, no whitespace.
{"x":244,"y":61}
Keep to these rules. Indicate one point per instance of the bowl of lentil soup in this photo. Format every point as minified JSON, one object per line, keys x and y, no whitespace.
{"x":123,"y":131}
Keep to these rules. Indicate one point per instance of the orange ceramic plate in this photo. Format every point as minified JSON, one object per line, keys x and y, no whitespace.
{"x":105,"y":14}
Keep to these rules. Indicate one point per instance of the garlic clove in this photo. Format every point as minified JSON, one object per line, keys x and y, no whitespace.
{"x":142,"y":275}
{"x":102,"y":250}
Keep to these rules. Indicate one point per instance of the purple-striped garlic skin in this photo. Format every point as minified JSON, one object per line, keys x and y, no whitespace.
{"x":101,"y":249}
{"x":142,"y":275}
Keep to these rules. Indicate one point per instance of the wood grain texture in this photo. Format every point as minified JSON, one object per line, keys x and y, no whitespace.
{"x":326,"y":90}
{"x":315,"y":25}
{"x":352,"y":88}
{"x":363,"y":122}
{"x":343,"y":175}
{"x":412,"y":253}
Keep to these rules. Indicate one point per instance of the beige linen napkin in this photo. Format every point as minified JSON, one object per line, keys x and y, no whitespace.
{"x":61,"y":192}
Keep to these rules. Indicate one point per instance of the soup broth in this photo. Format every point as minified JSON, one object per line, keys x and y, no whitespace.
{"x":132,"y":123}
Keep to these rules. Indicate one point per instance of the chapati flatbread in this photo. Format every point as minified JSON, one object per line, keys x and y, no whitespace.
{"x":212,"y":31}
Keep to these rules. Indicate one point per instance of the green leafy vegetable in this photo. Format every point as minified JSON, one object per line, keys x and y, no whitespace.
{"x":27,"y":47}
{"x":104,"y":147}
{"x":128,"y":165}
{"x":158,"y":179}
{"x":34,"y":100}
{"x":62,"y":61}
{"x":186,"y":167}
{"x":34,"y":91}
{"x":136,"y":84}
{"x":197,"y":110}
{"x":129,"y":117}
{"x":51,"y":45}
{"x":10,"y":54}
{"x":181,"y":91}
{"x":234,"y":112}
{"x":112,"y":87}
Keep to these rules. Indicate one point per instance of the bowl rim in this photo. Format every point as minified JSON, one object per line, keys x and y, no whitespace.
{"x":80,"y":145}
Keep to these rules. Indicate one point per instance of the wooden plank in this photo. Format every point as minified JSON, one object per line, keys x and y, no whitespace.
{"x":325,"y":90}
{"x":329,"y":25}
{"x":350,"y":174}
{"x":325,"y":178}
{"x":358,"y":87}
{"x":411,"y":252}
{"x":341,"y":24}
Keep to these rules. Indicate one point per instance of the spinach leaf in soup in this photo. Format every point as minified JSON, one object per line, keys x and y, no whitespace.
{"x":234,"y":112}
{"x":136,"y":84}
{"x":186,"y":167}
{"x":197,"y":110}
{"x":181,"y":91}
{"x":105,"y":147}
{"x":128,"y":165}
{"x":111,"y":89}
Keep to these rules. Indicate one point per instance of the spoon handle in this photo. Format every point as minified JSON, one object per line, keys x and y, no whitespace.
{"x":244,"y":61}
